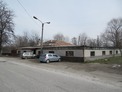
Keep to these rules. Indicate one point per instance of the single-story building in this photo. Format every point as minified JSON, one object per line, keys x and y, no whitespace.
{"x":76,"y":53}
{"x":71,"y":52}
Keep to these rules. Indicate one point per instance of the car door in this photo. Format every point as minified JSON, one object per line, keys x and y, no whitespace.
{"x":50,"y":57}
{"x":55,"y":57}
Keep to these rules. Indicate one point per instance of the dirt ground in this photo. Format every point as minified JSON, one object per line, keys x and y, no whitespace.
{"x":108,"y":73}
{"x":87,"y":67}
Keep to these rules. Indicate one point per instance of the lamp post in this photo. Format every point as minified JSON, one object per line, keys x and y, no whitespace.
{"x":41,"y":32}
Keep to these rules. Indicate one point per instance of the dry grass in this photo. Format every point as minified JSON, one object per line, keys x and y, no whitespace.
{"x":111,"y":60}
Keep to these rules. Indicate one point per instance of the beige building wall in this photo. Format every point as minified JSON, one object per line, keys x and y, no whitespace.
{"x":77,"y":53}
{"x":99,"y":55}
{"x":99,"y":52}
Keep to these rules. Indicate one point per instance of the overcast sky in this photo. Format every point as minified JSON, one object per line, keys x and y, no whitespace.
{"x":69,"y":17}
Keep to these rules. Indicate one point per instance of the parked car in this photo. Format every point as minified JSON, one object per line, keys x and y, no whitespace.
{"x":48,"y":57}
{"x":27,"y":55}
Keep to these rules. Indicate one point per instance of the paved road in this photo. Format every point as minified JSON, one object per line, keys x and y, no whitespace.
{"x":15,"y":77}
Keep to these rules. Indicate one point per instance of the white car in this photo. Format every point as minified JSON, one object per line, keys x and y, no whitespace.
{"x":25,"y":55}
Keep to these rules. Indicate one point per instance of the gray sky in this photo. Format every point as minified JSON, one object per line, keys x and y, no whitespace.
{"x":69,"y":17}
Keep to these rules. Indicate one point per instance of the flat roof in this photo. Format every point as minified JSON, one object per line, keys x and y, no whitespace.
{"x":67,"y":47}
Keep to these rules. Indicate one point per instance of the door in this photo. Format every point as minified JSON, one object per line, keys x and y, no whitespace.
{"x":55,"y":57}
{"x":50,"y":57}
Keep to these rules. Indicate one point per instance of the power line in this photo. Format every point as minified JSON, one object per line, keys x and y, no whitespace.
{"x":26,"y":12}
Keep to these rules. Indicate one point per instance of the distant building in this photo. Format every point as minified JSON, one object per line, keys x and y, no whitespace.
{"x":8,"y":50}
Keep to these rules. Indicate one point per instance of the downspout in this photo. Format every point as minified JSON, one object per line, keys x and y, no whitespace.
{"x":0,"y":42}
{"x":83,"y":54}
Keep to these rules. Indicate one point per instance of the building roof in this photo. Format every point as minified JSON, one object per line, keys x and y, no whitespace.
{"x":71,"y":47}
{"x":56,"y":43}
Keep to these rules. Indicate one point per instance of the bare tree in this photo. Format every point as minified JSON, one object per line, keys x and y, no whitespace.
{"x":19,"y":41}
{"x":23,"y":40}
{"x":74,"y":40}
{"x":113,"y":33}
{"x":6,"y":24}
{"x":34,"y":40}
{"x":82,"y":39}
{"x":92,"y":42}
{"x":59,"y":36}
{"x":105,"y":41}
{"x":27,"y":40}
{"x":99,"y":42}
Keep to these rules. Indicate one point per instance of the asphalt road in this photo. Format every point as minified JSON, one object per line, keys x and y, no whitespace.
{"x":15,"y":77}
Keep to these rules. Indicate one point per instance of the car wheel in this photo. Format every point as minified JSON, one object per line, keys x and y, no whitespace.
{"x":59,"y":60}
{"x":47,"y":61}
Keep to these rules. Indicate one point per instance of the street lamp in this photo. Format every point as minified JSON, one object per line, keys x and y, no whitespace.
{"x":42,"y":31}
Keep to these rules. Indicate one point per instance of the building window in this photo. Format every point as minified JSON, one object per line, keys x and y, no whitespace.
{"x":116,"y":52}
{"x":110,"y":52}
{"x":51,"y":51}
{"x":69,"y":53}
{"x":92,"y":53}
{"x":103,"y":52}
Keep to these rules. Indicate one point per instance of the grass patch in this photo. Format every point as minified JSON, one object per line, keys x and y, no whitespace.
{"x":111,"y":60}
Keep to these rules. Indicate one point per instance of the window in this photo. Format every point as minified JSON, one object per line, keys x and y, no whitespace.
{"x":55,"y":55}
{"x":49,"y":55}
{"x":110,"y":52}
{"x":103,"y":52}
{"x":51,"y":51}
{"x":116,"y":52}
{"x":92,"y":53}
{"x":69,"y":53}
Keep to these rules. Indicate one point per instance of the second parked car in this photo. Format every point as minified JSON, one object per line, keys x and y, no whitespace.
{"x":26,"y":55}
{"x":48,"y":57}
